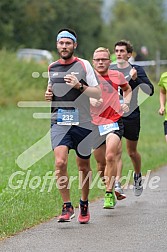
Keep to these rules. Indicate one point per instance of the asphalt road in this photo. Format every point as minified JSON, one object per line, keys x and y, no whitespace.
{"x":137,"y":224}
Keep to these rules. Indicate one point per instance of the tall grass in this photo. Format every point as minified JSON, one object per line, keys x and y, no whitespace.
{"x":26,"y":200}
{"x":16,"y":82}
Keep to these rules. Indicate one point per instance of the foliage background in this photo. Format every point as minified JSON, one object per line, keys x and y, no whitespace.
{"x":34,"y":24}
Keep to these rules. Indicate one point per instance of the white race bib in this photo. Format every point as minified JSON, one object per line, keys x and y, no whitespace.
{"x":106,"y":128}
{"x":68,"y":117}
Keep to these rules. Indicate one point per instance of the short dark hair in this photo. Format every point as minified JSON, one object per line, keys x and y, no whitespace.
{"x":69,"y":30}
{"x":129,"y":46}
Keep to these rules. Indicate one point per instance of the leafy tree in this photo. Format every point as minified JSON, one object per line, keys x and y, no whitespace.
{"x":8,"y":8}
{"x":141,"y":22}
{"x":34,"y":23}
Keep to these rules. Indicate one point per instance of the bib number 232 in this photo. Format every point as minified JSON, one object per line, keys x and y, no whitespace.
{"x":68,"y":117}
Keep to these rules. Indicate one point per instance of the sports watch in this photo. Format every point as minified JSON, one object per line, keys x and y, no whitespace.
{"x":81,"y":88}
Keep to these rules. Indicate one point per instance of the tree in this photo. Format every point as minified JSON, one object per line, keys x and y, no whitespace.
{"x":8,"y":8}
{"x":34,"y":23}
{"x":142,"y":22}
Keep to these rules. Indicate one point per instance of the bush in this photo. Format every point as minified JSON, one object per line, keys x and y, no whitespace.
{"x":21,"y":80}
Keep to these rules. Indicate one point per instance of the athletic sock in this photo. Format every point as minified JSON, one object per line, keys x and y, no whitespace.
{"x":82,"y":203}
{"x":68,"y":204}
{"x":137,"y":176}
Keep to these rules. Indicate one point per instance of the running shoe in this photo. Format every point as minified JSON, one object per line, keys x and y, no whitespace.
{"x":137,"y":186}
{"x":67,"y":214}
{"x":119,"y":191}
{"x":84,"y":215}
{"x":109,"y":200}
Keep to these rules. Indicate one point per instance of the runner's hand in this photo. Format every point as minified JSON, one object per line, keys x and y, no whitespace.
{"x":125,"y":108}
{"x":162,"y":111}
{"x":71,"y":80}
{"x":48,"y":94}
{"x":95,"y":102}
{"x":133,"y":73}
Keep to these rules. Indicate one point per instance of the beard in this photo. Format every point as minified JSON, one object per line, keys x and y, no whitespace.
{"x":67,"y":56}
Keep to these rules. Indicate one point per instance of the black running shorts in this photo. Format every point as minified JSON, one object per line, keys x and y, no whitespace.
{"x":131,"y":128}
{"x":165,"y":127}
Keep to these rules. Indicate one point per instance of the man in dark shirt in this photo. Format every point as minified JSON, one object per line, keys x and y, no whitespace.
{"x":136,"y":77}
{"x":71,"y":82}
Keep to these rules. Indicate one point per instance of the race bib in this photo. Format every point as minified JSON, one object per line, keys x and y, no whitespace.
{"x":104,"y":129}
{"x":68,"y":117}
